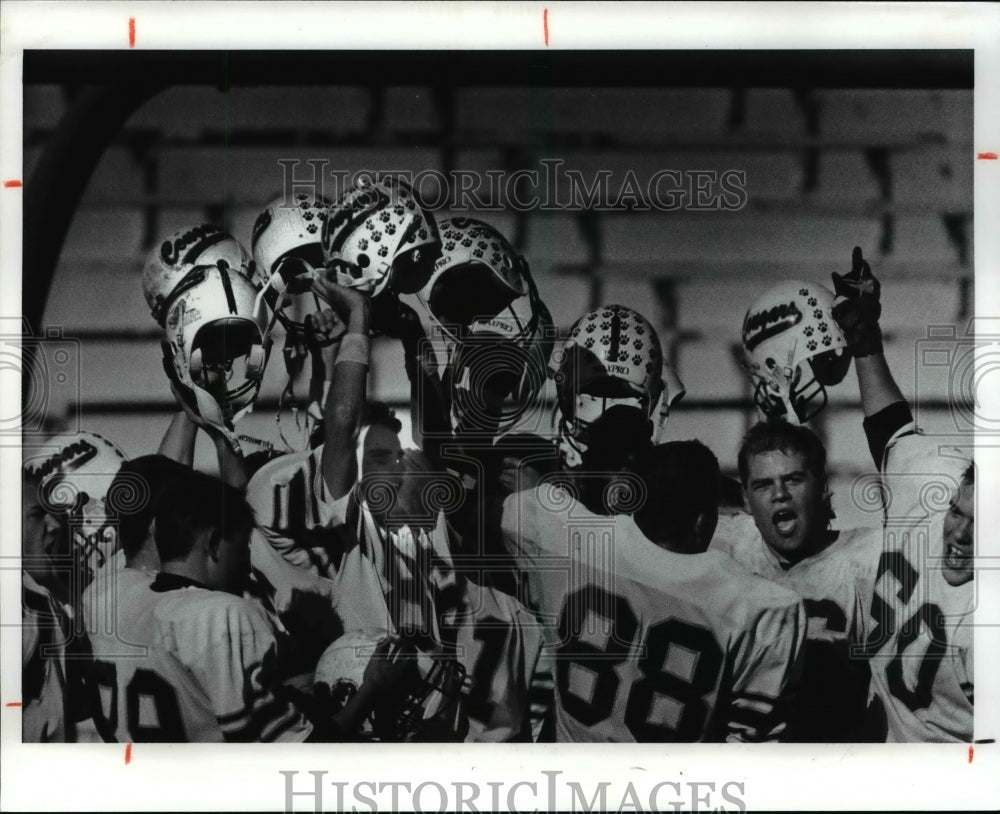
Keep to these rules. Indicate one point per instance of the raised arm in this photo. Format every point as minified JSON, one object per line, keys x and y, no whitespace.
{"x":345,"y":400}
{"x":200,"y":412}
{"x":857,"y":310}
{"x":178,"y":440}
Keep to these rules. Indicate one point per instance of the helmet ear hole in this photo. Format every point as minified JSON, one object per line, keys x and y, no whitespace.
{"x":830,"y":368}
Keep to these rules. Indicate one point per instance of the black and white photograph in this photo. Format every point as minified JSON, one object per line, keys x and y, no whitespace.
{"x":425,"y":375}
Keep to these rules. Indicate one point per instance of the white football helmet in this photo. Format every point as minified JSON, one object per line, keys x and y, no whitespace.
{"x":794,"y":350}
{"x":428,"y":708}
{"x":186,"y":249}
{"x":376,"y":234}
{"x":505,"y":355}
{"x":477,"y":276}
{"x":217,"y":345}
{"x":612,"y":357}
{"x":74,"y":472}
{"x":288,"y":255}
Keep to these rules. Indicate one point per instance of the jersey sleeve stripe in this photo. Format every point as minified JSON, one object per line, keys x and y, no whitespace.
{"x":291,"y":720}
{"x":254,"y":724}
{"x":270,"y":714}
{"x":253,"y":699}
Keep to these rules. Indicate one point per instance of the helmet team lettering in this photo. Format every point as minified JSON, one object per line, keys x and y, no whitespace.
{"x":168,"y":266}
{"x":794,"y":350}
{"x":74,"y":475}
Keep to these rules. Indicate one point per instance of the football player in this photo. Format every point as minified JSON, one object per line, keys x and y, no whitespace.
{"x":608,"y":376}
{"x":75,"y":471}
{"x":47,"y":713}
{"x":209,"y":657}
{"x":132,"y":501}
{"x":783,"y":471}
{"x":649,"y":629}
{"x":920,"y":624}
{"x":495,"y":638}
{"x":299,"y":509}
{"x":313,"y":510}
{"x":476,"y":360}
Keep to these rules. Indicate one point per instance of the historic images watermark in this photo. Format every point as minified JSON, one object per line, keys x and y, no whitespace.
{"x":549,"y":187}
{"x":318,"y":791}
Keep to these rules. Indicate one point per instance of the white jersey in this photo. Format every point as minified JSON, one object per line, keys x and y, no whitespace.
{"x":45,"y":709}
{"x":920,"y":474}
{"x":296,"y":514}
{"x":499,"y":642}
{"x":101,"y":599}
{"x":205,"y":673}
{"x":297,"y":518}
{"x":650,"y":645}
{"x":836,"y":588}
{"x":920,"y":628}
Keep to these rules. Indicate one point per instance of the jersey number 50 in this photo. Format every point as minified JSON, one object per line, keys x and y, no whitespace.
{"x":688,"y":694}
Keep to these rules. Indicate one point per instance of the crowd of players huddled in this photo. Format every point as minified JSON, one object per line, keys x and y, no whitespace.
{"x":509,"y":578}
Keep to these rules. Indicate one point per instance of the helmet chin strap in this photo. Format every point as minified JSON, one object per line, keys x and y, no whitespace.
{"x":210,"y":410}
{"x":294,"y":363}
{"x":570,"y":448}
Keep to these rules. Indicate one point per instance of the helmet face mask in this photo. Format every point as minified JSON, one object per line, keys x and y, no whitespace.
{"x":574,"y":422}
{"x":426,"y":707}
{"x":497,"y":331}
{"x":499,"y":366}
{"x":611,"y":358}
{"x":794,"y":350}
{"x":216,"y":343}
{"x":74,"y":474}
{"x":288,"y":256}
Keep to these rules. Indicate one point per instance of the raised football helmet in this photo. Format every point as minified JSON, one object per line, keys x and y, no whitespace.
{"x":217,"y":346}
{"x":169,"y":264}
{"x":288,"y":255}
{"x":427,"y":707}
{"x":497,"y":332}
{"x":74,"y":472}
{"x":612,"y":357}
{"x":794,"y":350}
{"x":477,"y":276}
{"x":377,"y":235}
{"x":499,"y":367}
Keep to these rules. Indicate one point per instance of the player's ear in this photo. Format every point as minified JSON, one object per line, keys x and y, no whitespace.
{"x":214,"y":538}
